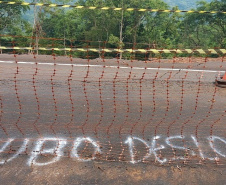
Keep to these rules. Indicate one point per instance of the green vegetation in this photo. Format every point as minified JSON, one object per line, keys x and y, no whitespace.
{"x":116,"y":29}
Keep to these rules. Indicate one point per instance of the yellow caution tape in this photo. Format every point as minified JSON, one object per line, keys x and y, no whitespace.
{"x":167,"y":51}
{"x":109,"y":8}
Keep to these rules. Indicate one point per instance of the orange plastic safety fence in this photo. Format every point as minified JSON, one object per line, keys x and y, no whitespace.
{"x":129,"y":107}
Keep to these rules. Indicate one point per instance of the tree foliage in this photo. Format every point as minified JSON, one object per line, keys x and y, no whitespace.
{"x":12,"y":23}
{"x":122,"y":29}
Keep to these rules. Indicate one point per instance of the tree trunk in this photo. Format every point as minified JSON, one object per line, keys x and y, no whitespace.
{"x":121,"y":28}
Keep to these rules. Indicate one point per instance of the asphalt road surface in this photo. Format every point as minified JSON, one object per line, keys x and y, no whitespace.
{"x":79,"y":121}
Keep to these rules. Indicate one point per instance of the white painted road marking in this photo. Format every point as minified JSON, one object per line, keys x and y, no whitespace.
{"x":120,"y":67}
